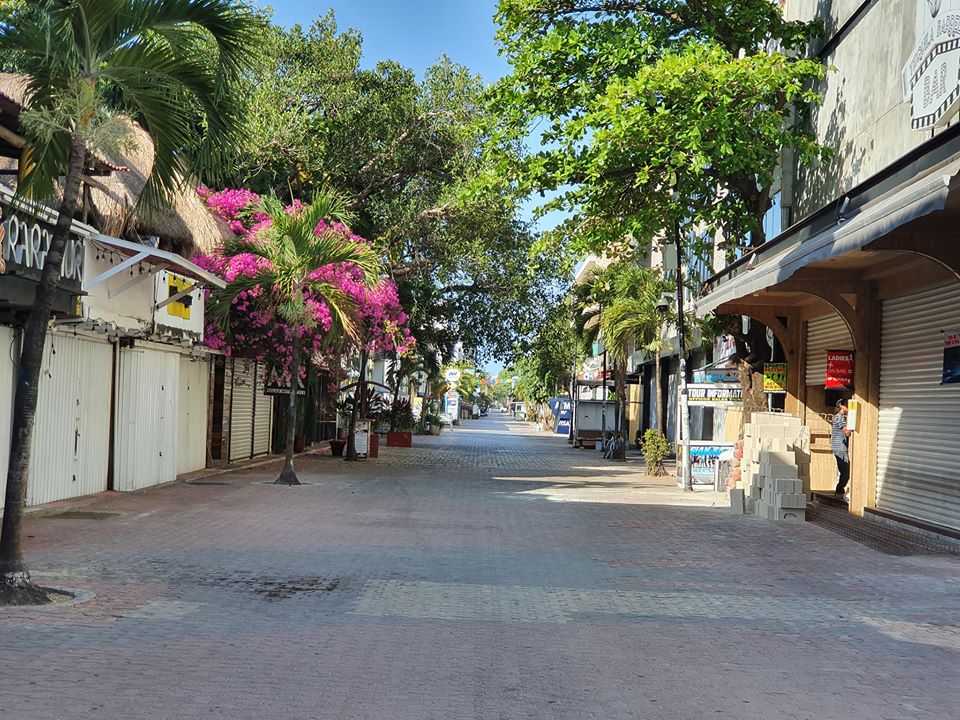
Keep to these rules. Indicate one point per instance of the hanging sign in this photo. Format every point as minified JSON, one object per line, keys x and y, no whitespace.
{"x":714,"y":394}
{"x":25,"y":244}
{"x":839,"y":370}
{"x":951,"y":359}
{"x":277,"y":384}
{"x":716,"y":375}
{"x":723,"y":347}
{"x":775,"y":377}
{"x":452,"y":375}
{"x":931,"y":75}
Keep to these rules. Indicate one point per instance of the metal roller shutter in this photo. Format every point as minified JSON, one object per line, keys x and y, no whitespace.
{"x":262,"y":414}
{"x":146,"y":434}
{"x":9,"y":349}
{"x":241,"y":411}
{"x":919,"y":429}
{"x":825,"y":333}
{"x":70,"y":451}
{"x":192,"y":425}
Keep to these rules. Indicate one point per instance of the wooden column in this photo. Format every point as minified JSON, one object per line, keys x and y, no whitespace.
{"x":866,"y":380}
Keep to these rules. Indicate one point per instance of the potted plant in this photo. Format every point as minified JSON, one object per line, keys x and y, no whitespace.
{"x":401,"y":424}
{"x":337,"y":445}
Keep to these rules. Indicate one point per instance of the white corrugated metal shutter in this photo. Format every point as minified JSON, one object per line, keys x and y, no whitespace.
{"x":919,"y":430}
{"x":145,"y":444}
{"x":70,"y":452}
{"x":9,"y":349}
{"x":194,"y":388}
{"x":241,"y":411}
{"x":262,"y":414}
{"x":825,"y":333}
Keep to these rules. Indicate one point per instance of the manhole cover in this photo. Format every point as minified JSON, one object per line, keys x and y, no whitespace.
{"x":84,"y":515}
{"x":275,"y":588}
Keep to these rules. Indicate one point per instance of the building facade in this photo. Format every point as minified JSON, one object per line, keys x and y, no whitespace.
{"x":863,"y":286}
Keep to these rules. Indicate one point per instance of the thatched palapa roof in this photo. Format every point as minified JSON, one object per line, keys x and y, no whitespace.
{"x":112,"y":189}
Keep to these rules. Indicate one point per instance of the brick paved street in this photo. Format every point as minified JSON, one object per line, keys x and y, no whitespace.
{"x":489,"y":573}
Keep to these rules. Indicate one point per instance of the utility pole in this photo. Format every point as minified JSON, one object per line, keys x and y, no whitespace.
{"x":684,"y":397}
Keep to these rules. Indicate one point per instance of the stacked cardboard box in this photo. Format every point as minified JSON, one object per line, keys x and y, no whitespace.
{"x":775,"y":468}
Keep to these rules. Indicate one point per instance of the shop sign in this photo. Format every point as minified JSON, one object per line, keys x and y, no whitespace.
{"x":704,"y":458}
{"x":951,"y":359}
{"x":26,"y":242}
{"x":931,"y":76}
{"x":714,"y":394}
{"x":716,"y":375}
{"x":277,"y":385}
{"x":839,"y":370}
{"x":775,"y":377}
{"x":724,"y":347}
{"x":452,"y":375}
{"x":361,"y":437}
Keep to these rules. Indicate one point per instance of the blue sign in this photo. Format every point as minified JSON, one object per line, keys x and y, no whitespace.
{"x":563,"y":427}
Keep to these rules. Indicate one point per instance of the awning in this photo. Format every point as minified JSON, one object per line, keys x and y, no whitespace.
{"x":924,"y":195}
{"x":136,"y":253}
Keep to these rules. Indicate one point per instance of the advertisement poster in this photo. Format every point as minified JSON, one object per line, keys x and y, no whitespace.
{"x":839,"y":370}
{"x":704,"y":456}
{"x":451,"y":404}
{"x":714,"y":394}
{"x":951,"y":359}
{"x":361,"y":438}
{"x":775,"y":377}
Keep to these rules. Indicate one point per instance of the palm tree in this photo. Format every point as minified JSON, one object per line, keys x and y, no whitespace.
{"x":291,"y":249}
{"x":168,"y":62}
{"x":632,"y":317}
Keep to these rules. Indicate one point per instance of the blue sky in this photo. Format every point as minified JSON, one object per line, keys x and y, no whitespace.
{"x":413,"y":32}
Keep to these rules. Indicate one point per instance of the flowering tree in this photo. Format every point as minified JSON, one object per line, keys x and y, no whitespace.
{"x":283,"y":298}
{"x":381,"y":326}
{"x":246,"y":326}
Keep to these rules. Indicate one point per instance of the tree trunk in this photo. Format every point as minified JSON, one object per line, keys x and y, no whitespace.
{"x":661,"y":405}
{"x":288,"y":475}
{"x":359,"y":393}
{"x":15,"y":585}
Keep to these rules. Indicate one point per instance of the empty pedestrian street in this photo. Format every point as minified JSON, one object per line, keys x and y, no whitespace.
{"x":491,"y":572}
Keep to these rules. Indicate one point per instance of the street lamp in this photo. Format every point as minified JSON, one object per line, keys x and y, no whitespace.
{"x":684,"y":396}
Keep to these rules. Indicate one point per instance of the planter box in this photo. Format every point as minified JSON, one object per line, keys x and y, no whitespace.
{"x":399,"y":439}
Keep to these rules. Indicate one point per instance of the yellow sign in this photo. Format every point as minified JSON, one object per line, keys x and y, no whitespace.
{"x":179,"y":308}
{"x":775,"y":377}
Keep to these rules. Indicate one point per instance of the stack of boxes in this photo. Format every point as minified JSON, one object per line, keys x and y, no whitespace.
{"x":775,"y":468}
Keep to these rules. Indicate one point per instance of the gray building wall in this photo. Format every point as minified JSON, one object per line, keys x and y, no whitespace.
{"x":864,"y":116}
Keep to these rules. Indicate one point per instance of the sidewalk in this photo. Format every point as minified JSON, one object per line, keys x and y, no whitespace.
{"x":486,"y":573}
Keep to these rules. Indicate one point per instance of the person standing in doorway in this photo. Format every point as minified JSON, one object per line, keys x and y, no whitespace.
{"x":839,"y":443}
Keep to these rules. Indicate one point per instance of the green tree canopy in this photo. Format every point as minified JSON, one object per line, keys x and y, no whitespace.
{"x":653,"y":112}
{"x":406,"y":151}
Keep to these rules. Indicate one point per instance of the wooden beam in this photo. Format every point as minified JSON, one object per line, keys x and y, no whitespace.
{"x":934,"y":248}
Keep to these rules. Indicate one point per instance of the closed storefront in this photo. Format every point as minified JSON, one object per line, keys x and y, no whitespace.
{"x":262,"y":414}
{"x":241,"y":410}
{"x":193,"y":401}
{"x":251,"y":411}
{"x":146,"y":418}
{"x":825,"y":333}
{"x":71,"y":438}
{"x":8,"y":351}
{"x":919,"y":417}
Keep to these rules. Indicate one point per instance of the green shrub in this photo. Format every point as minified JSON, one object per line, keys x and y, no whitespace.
{"x":655,"y":449}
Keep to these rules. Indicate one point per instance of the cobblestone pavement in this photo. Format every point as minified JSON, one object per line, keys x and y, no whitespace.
{"x":489,"y":573}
